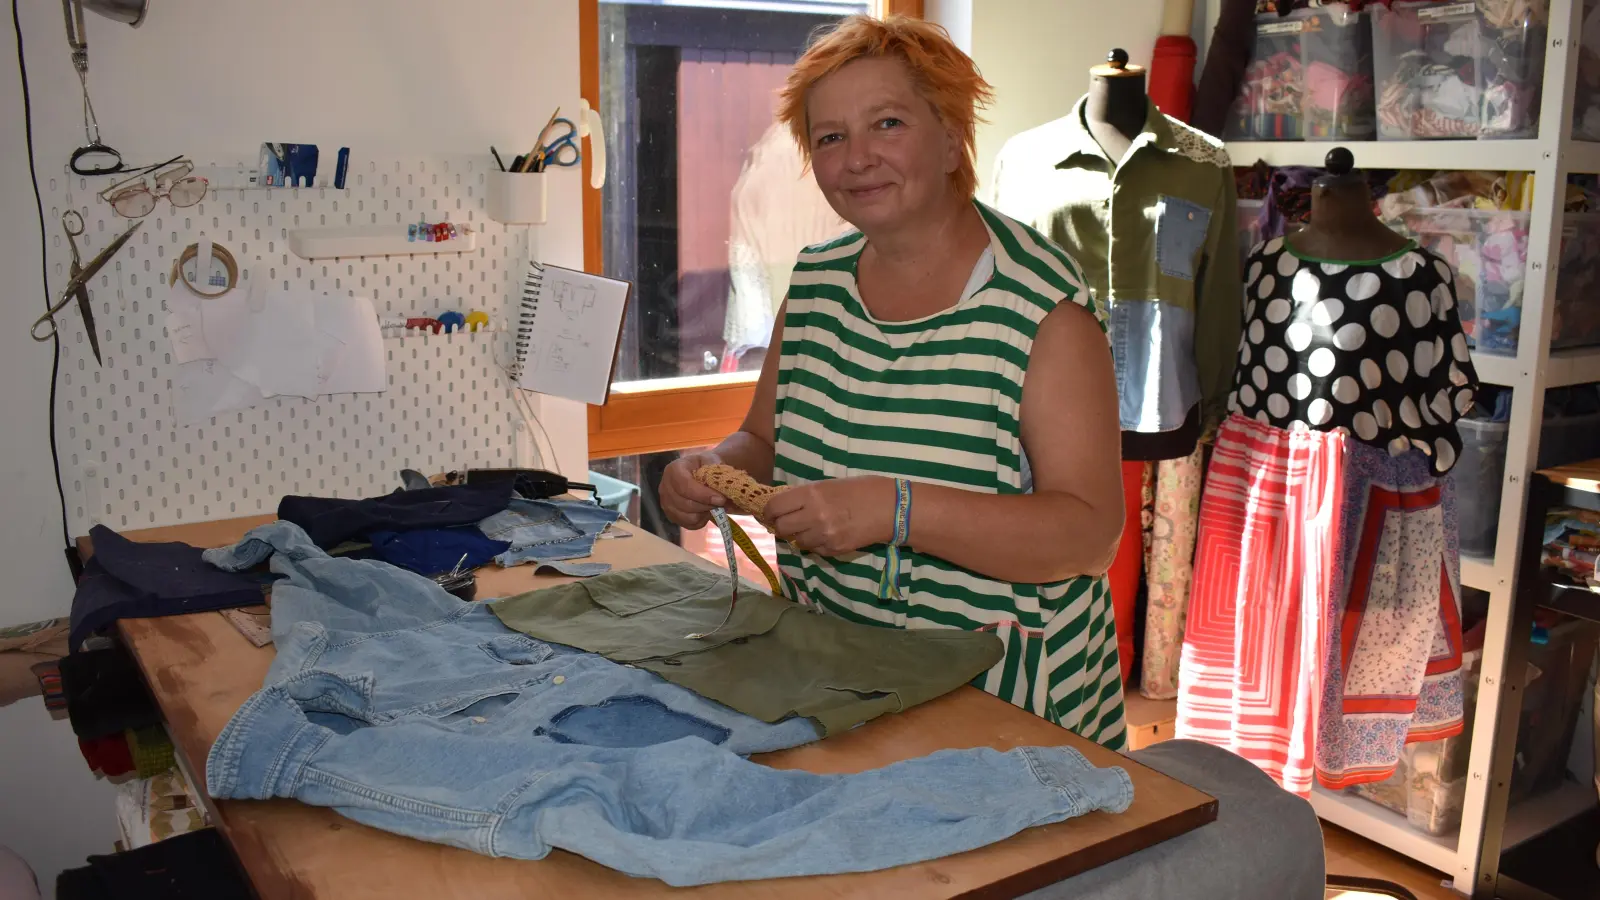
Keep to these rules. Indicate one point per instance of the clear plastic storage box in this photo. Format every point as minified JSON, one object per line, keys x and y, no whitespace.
{"x":1577,"y":311}
{"x":1310,"y":78}
{"x":1459,"y":70}
{"x":1489,"y":252}
{"x":1586,"y":103}
{"x":1481,"y":470}
{"x":1430,"y":783}
{"x":1480,"y":474}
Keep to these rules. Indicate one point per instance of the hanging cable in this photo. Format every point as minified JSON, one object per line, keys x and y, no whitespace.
{"x":44,"y":281}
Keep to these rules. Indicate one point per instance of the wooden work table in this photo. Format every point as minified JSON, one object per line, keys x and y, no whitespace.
{"x":200,"y":671}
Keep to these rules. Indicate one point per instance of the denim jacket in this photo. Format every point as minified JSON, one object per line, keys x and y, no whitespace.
{"x":414,"y":712}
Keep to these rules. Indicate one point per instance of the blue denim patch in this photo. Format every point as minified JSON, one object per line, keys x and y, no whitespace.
{"x":1157,"y":379}
{"x":633,"y":721}
{"x":1181,"y":228}
{"x":546,"y":530}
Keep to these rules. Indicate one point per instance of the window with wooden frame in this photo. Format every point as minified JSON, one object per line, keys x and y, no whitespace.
{"x":705,"y":203}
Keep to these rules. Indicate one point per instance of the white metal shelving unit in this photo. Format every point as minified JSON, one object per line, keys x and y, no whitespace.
{"x":1550,"y":157}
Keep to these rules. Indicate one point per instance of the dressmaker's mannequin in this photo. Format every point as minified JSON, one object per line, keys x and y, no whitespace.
{"x":1117,"y":106}
{"x":1342,"y":225}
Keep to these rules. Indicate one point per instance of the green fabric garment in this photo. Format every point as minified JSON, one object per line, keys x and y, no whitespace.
{"x":774,"y":660}
{"x":1156,"y":229}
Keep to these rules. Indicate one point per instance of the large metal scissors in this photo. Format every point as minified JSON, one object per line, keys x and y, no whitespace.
{"x":78,"y":284}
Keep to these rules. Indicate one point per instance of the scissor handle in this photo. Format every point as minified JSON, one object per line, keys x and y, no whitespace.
{"x":71,"y":231}
{"x":561,"y":153}
{"x":49,"y":318}
{"x":570,"y":135}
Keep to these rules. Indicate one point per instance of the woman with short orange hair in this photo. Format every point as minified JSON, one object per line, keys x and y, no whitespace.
{"x":939,"y":394}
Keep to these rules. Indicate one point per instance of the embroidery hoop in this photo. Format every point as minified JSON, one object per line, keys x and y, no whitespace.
{"x":218,"y":252}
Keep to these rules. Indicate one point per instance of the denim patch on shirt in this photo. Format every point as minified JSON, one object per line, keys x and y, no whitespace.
{"x":1181,"y":228}
{"x":630,"y":722}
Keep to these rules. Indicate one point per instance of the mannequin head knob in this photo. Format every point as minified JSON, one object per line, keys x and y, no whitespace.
{"x":1339,"y":162}
{"x":1117,"y":58}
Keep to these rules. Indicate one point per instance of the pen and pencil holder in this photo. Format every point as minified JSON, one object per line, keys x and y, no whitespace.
{"x":516,"y":198}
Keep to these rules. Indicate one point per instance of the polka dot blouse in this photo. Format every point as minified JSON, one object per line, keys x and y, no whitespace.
{"x":1375,"y":348}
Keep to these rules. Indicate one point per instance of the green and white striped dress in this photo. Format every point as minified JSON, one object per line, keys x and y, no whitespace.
{"x":937,"y":400}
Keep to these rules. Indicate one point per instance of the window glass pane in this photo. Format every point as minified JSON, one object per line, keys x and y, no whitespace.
{"x":706,"y":202}
{"x":645,"y":511}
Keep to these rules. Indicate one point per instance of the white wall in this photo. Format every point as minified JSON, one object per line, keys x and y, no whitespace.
{"x":1037,"y":54}
{"x":216,"y":79}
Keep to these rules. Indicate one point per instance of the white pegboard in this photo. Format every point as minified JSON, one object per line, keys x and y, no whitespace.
{"x":128,"y":464}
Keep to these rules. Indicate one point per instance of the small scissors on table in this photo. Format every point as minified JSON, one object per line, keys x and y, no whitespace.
{"x":78,"y":285}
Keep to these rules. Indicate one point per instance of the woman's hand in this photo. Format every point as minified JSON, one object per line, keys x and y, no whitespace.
{"x":687,"y":502}
{"x":836,"y":516}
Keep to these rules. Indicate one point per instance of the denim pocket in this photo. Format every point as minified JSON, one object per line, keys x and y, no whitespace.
{"x":1181,"y":228}
{"x":518,"y":650}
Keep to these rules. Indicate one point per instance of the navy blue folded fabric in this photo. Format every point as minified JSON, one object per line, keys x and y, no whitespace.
{"x":330,"y":522}
{"x":128,"y":580}
{"x":198,"y":865}
{"x":429,"y":551}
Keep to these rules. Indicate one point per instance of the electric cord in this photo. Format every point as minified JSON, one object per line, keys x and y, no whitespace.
{"x":44,"y":279}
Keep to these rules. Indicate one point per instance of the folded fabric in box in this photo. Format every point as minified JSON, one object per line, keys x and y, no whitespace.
{"x":774,"y":659}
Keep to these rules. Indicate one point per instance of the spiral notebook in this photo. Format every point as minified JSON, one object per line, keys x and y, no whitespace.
{"x":568,"y":329}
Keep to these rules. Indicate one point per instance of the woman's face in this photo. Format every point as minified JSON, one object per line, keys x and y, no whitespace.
{"x":880,"y":154}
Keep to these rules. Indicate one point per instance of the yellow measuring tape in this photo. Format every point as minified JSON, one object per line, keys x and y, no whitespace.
{"x":733,"y":534}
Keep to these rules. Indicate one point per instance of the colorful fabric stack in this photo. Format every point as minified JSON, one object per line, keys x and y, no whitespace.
{"x":1572,"y":543}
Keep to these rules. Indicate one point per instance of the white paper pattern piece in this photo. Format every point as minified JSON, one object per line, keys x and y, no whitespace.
{"x":573,"y":340}
{"x":350,"y":343}
{"x":236,"y":351}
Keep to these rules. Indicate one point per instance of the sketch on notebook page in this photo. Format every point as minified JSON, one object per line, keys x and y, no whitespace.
{"x":572,"y":355}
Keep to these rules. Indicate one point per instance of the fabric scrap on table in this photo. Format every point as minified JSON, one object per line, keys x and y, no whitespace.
{"x":575,"y":569}
{"x":430,"y":551}
{"x":774,"y":658}
{"x":1255,"y":634}
{"x":130,"y":580}
{"x":547,"y":530}
{"x":329,"y":521}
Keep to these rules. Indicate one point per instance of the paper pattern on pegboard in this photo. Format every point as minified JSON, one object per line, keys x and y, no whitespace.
{"x":128,"y":462}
